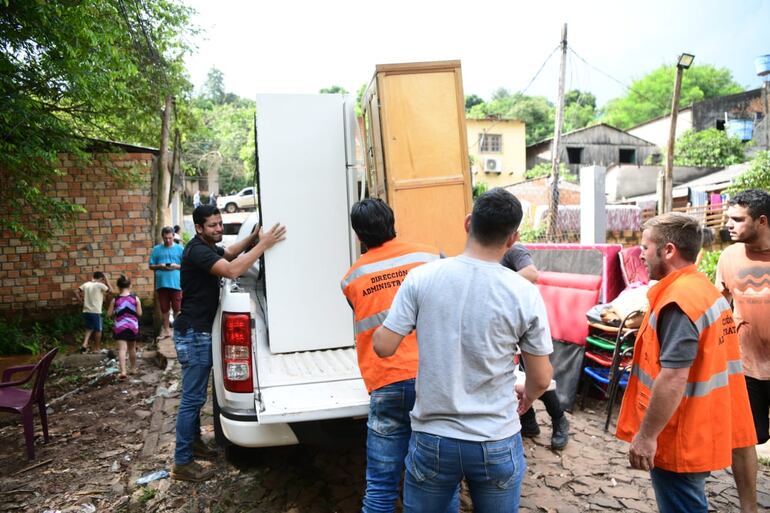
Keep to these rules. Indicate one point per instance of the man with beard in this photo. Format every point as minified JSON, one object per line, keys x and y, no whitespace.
{"x":685,"y":411}
{"x":203,"y":264}
{"x":743,"y":276}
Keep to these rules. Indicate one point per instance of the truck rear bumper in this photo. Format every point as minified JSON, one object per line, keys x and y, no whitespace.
{"x":245,"y":431}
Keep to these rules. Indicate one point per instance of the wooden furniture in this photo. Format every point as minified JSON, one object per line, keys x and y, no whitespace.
{"x":416,"y":150}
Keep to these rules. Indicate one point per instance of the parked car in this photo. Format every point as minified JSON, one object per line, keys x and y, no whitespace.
{"x":242,"y":200}
{"x":231,"y":224}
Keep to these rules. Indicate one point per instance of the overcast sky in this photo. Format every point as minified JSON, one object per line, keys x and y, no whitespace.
{"x":290,"y":46}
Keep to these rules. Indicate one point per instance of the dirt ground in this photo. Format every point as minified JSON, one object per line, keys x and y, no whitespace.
{"x":106,"y":433}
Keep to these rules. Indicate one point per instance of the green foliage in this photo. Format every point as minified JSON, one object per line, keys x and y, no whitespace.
{"x":535,"y":111}
{"x":214,"y":87}
{"x":360,"y":100}
{"x":147,"y":495}
{"x":708,"y":148}
{"x":529,"y":234}
{"x":544,"y":169}
{"x":650,"y":96}
{"x":471,"y":100}
{"x":708,"y":264}
{"x":478,"y":189}
{"x":221,"y":139}
{"x":579,"y":110}
{"x":335,"y":89}
{"x":74,"y":70}
{"x":17,"y":337}
{"x":757,"y":176}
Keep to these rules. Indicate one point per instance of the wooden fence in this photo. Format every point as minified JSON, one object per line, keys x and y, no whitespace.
{"x":712,"y":216}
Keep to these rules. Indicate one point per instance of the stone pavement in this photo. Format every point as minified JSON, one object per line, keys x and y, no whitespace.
{"x":590,"y":474}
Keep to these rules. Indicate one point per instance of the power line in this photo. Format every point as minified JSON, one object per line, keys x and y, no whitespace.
{"x":522,"y":91}
{"x":622,"y":84}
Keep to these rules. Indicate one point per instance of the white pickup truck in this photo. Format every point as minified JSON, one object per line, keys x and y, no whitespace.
{"x":283,"y":339}
{"x":244,"y":199}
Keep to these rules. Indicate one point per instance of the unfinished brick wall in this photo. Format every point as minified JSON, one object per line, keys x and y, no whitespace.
{"x":113,"y":236}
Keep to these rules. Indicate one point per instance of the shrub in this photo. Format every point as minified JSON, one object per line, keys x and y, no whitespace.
{"x":708,"y":264}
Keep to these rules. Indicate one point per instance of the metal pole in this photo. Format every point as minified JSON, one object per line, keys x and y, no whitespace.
{"x":767,"y":115}
{"x":553,"y":207}
{"x":668,"y":179}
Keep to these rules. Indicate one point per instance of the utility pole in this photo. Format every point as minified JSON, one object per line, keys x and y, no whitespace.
{"x":665,"y":186}
{"x":553,"y":207}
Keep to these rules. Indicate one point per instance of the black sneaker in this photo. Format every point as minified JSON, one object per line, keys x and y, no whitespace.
{"x":560,"y":434}
{"x":192,"y":471}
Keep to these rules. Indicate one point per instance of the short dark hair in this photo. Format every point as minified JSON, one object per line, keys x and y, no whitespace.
{"x":496,"y":215}
{"x":373,"y":221}
{"x":98,"y":275}
{"x":678,"y":228}
{"x":166,"y":229}
{"x":203,"y":212}
{"x":177,"y":228}
{"x":756,"y":201}
{"x":123,"y":282}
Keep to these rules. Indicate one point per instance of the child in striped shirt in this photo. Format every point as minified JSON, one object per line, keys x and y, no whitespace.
{"x":126,"y":309}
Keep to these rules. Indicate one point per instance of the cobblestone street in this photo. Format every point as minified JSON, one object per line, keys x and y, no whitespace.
{"x":101,"y":445}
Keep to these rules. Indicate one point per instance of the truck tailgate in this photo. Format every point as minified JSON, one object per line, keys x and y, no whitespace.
{"x":310,"y":385}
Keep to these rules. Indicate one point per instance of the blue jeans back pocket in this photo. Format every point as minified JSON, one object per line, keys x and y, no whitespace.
{"x":502,"y":463}
{"x":422,"y":460}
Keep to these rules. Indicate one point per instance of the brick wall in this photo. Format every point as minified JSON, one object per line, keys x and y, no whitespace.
{"x":113,"y":236}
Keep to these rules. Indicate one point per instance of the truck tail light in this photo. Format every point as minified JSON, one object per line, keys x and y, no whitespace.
{"x":236,"y":352}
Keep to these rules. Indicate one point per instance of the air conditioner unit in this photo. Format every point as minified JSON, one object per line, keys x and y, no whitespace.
{"x":493,"y":165}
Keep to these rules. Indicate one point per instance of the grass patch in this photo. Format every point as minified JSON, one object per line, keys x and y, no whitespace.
{"x":764,"y":461}
{"x":148,"y":494}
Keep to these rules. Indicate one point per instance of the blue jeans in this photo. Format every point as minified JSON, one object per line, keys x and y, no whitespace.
{"x":435,"y":465}
{"x":193,"y":350}
{"x":387,"y":439}
{"x":680,"y":492}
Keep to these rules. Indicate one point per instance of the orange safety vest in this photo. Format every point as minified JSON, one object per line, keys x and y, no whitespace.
{"x":370,"y":286}
{"x":714,"y":415}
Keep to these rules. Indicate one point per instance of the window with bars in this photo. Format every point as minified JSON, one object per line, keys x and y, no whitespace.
{"x":490,"y":143}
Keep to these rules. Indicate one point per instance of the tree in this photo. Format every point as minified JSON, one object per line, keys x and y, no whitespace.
{"x":335,"y":89}
{"x":650,"y":96}
{"x":544,"y":169}
{"x":708,"y":148}
{"x":757,"y":176}
{"x":535,"y":111}
{"x":472,"y":100}
{"x":579,"y":109}
{"x":214,"y":87}
{"x":73,"y":70}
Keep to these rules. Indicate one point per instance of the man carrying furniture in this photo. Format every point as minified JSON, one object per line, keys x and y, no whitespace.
{"x":471,"y":314}
{"x":743,"y":276}
{"x":685,"y":411}
{"x":203,"y":264}
{"x":369,"y":286}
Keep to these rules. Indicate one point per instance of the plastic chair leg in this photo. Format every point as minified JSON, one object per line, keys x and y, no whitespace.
{"x":43,"y":419}
{"x":29,"y":431}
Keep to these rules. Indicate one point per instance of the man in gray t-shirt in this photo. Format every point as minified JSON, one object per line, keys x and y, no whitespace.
{"x":470,"y":314}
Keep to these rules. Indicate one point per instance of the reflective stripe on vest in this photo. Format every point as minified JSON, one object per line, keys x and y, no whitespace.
{"x":409,"y":258}
{"x":370,"y":322}
{"x":714,"y":415}
{"x":697,"y":388}
{"x":705,"y":320}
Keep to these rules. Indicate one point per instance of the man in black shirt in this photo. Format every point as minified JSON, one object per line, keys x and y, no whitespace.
{"x":203,"y":263}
